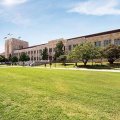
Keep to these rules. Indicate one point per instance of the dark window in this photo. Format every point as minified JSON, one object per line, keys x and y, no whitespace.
{"x":74,"y":46}
{"x":53,"y":49}
{"x":40,"y":51}
{"x":107,"y":42}
{"x":70,"y":47}
{"x":20,"y":47}
{"x":50,"y":49}
{"x":32,"y":58}
{"x":117,"y":41}
{"x":98,"y":43}
{"x":34,"y":52}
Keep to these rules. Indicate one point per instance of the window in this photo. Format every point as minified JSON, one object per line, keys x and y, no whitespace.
{"x":34,"y":52}
{"x":107,"y":42}
{"x":50,"y":49}
{"x":70,"y":47}
{"x":32,"y":58}
{"x":74,"y":46}
{"x":31,"y":52}
{"x":117,"y":41}
{"x":20,"y":47}
{"x":53,"y":49}
{"x":40,"y":51}
{"x":97,"y":43}
{"x":28,"y":52}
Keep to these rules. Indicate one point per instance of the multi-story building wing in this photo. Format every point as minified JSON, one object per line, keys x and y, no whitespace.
{"x":99,"y":39}
{"x":35,"y":52}
{"x":13,"y":44}
{"x":16,"y":47}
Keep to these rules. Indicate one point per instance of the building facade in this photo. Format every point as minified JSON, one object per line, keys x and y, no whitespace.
{"x":14,"y":44}
{"x":16,"y":47}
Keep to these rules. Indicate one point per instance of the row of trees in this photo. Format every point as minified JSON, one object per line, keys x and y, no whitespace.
{"x":87,"y":51}
{"x":14,"y":59}
{"x":83,"y":52}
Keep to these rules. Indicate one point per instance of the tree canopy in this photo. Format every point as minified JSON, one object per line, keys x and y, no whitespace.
{"x":2,"y":58}
{"x":59,"y":50}
{"x":84,"y":52}
{"x":14,"y":59}
{"x":45,"y":54}
{"x":24,"y":57}
{"x":112,"y":53}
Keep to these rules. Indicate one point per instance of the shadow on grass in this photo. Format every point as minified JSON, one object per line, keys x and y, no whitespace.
{"x":95,"y":66}
{"x":107,"y":66}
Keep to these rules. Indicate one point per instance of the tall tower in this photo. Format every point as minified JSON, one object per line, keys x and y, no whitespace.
{"x":14,"y":44}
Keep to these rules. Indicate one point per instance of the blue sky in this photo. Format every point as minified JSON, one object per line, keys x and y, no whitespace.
{"x":39,"y":21}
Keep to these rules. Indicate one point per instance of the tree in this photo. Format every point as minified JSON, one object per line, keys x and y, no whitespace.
{"x":101,"y":54}
{"x":14,"y":59}
{"x":45,"y":54}
{"x":63,"y":59}
{"x":24,"y":57}
{"x":2,"y":58}
{"x":59,"y":50}
{"x":95,"y":52}
{"x":73,"y":56}
{"x":112,"y":53}
{"x":84,"y":52}
{"x":10,"y":58}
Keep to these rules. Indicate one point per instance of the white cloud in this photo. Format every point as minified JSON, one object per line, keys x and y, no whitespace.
{"x":97,"y":7}
{"x":12,"y":2}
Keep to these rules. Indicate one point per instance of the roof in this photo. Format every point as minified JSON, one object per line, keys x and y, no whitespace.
{"x":31,"y":47}
{"x":97,"y":34}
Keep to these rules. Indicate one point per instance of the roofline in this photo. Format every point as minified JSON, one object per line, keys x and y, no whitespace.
{"x":15,"y":39}
{"x":31,"y":47}
{"x":96,"y":34}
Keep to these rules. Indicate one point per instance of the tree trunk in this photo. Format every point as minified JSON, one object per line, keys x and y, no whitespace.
{"x":85,"y":62}
{"x":76,"y":64}
{"x":101,"y":62}
{"x":92,"y":62}
{"x":111,"y":61}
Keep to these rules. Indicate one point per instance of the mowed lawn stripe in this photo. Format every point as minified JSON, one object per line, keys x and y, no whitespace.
{"x":44,"y":94}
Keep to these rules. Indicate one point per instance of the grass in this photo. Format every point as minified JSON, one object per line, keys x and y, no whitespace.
{"x":44,"y":94}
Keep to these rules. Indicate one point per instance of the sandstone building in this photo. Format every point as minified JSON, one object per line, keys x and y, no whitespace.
{"x":16,"y":47}
{"x":14,"y":44}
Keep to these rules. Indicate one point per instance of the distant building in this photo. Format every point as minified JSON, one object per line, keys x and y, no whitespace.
{"x":14,"y":44}
{"x":16,"y":47}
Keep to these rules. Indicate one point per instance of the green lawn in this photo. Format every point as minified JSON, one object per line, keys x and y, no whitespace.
{"x":44,"y":94}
